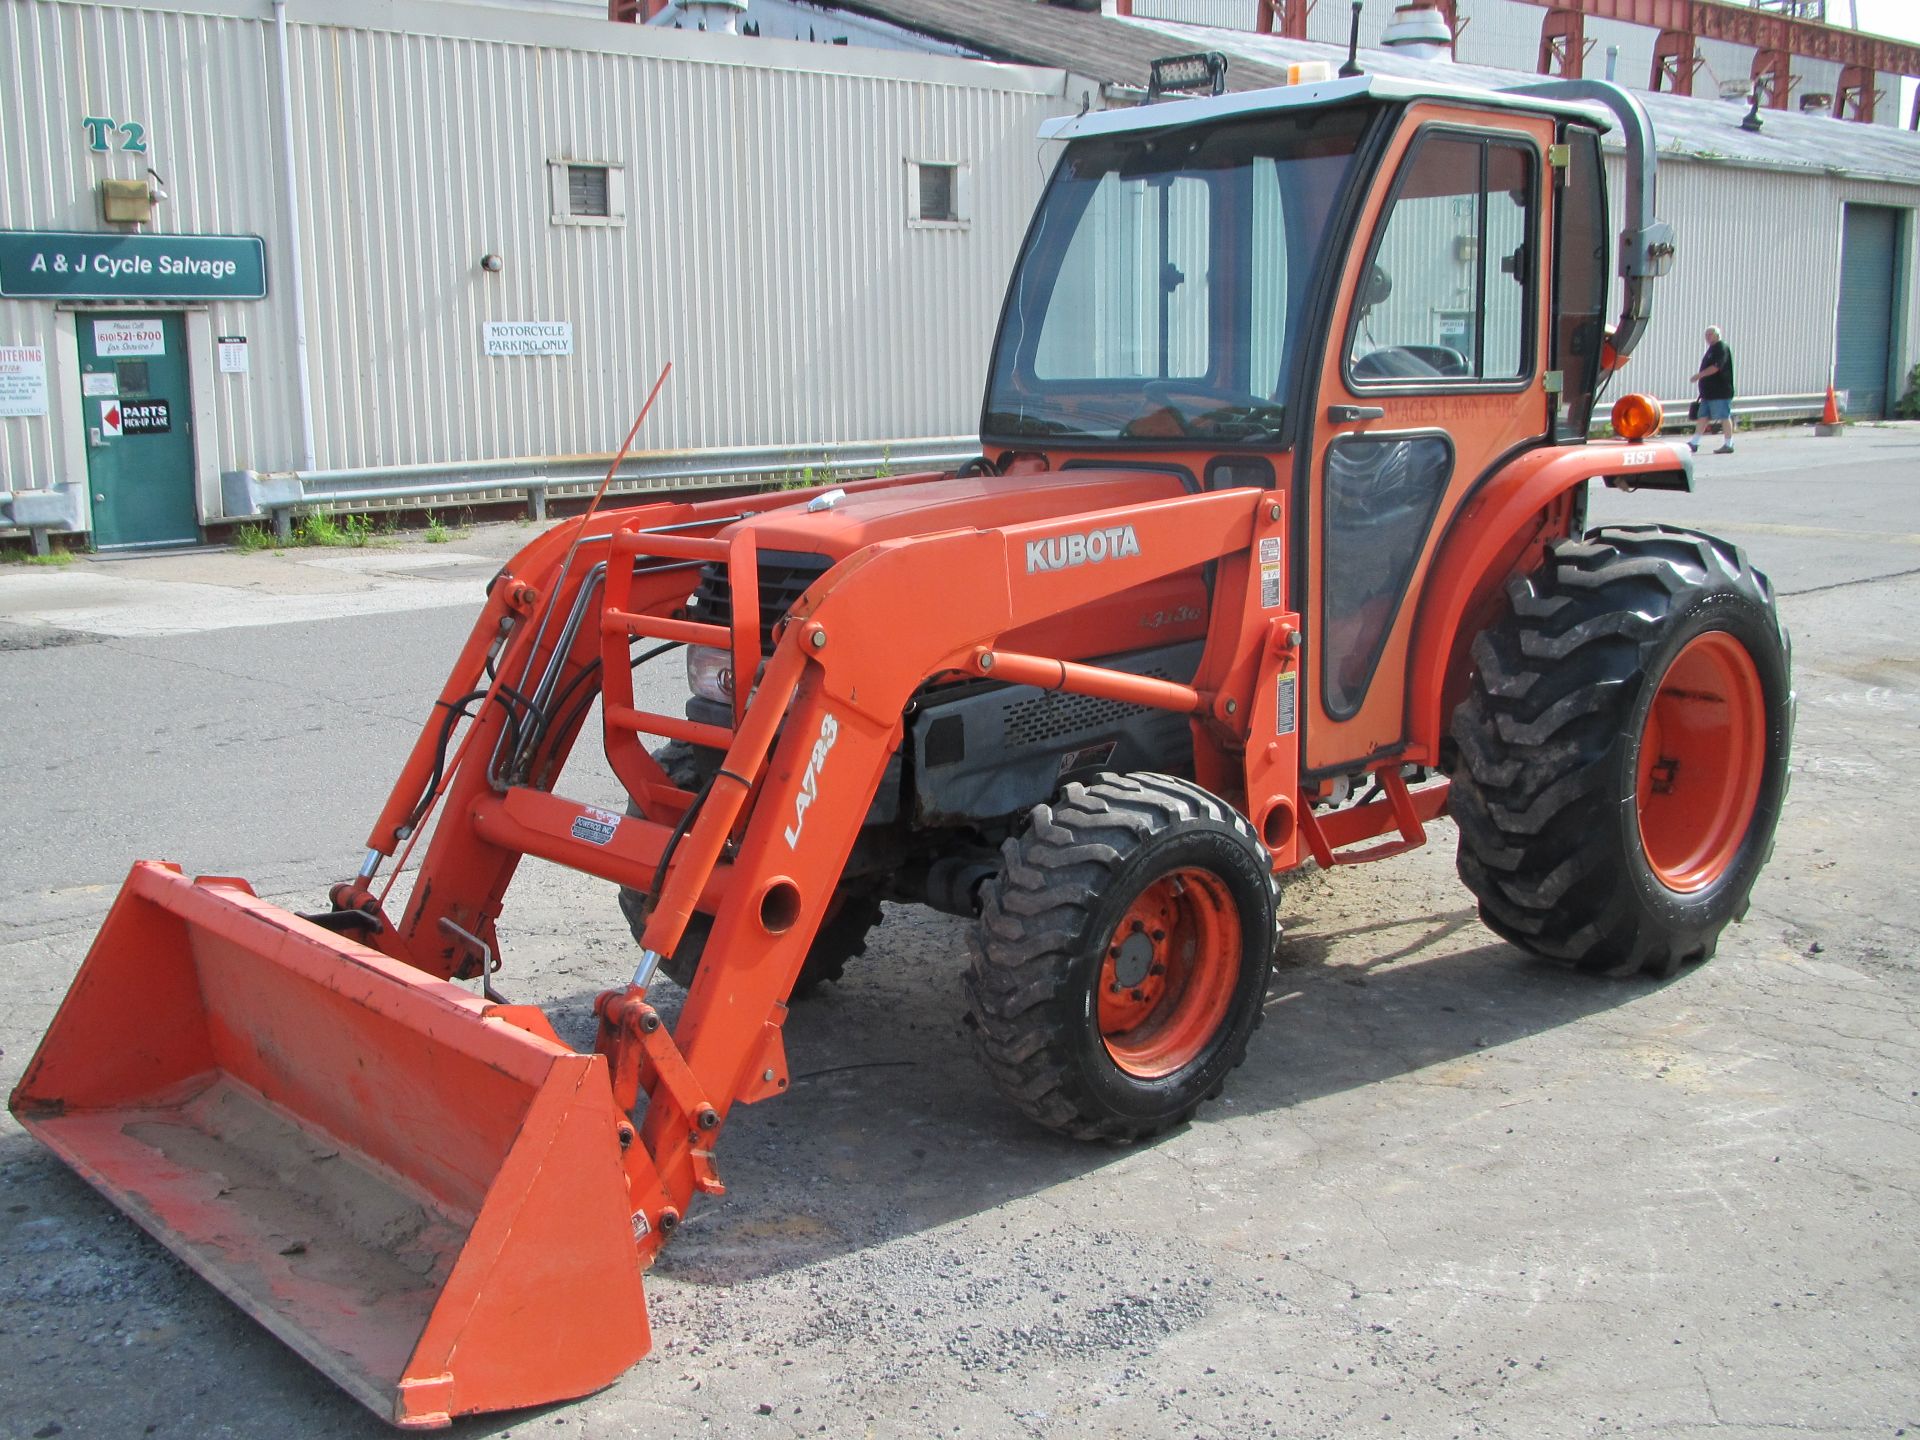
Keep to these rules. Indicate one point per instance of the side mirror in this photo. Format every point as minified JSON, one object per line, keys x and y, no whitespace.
{"x":1378,"y":287}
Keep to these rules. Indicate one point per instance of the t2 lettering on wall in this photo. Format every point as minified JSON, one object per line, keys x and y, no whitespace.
{"x":100,"y":128}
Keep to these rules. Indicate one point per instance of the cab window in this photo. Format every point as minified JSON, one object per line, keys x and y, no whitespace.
{"x":1447,"y":296}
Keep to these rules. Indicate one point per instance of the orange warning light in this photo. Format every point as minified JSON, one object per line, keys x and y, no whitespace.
{"x":1635,"y":417}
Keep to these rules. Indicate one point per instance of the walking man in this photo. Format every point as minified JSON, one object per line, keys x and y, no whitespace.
{"x":1715,"y":379}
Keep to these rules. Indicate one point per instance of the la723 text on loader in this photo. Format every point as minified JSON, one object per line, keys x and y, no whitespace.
{"x":1275,"y":551}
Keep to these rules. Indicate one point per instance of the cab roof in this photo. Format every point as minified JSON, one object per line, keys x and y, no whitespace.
{"x":1172,"y":114}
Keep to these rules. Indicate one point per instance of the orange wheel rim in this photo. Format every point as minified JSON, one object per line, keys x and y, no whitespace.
{"x":1168,"y":977}
{"x":1702,"y":751}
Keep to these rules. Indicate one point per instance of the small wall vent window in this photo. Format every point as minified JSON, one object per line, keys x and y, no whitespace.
{"x":936,"y":193}
{"x":586,"y":192}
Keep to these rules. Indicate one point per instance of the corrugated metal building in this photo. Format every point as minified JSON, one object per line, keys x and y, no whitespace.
{"x":507,"y":220}
{"x":756,"y":222}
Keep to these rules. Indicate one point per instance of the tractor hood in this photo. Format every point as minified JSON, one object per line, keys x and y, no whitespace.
{"x":929,"y":507}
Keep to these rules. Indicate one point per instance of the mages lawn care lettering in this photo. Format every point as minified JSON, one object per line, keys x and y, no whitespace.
{"x":65,"y":264}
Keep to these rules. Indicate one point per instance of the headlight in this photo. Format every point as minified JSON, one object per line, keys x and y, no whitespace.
{"x":710,"y":673}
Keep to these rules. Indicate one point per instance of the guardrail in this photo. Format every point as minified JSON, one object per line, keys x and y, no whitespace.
{"x":254,"y":495}
{"x":1753,"y":409}
{"x":278,"y":495}
{"x":1760,"y":409}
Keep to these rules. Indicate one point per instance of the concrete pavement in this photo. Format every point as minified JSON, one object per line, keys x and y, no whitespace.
{"x":1453,"y":1192}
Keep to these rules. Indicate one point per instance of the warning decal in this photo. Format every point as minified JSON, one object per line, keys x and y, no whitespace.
{"x":1283,"y":709}
{"x":1269,"y":586}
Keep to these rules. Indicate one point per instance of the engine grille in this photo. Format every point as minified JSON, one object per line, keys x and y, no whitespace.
{"x":1055,"y":713}
{"x":784,"y":578}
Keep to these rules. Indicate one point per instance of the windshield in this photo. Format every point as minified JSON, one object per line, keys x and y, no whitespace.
{"x":1164,"y":281}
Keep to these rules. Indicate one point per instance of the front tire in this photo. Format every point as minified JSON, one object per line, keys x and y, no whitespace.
{"x":1121,"y":956}
{"x":1622,"y":754}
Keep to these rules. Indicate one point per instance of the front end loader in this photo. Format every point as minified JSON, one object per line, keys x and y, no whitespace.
{"x":1269,"y":559}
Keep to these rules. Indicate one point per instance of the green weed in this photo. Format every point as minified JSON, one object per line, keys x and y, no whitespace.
{"x":437,"y":532}
{"x":324,"y":528}
{"x":1908,"y":405}
{"x":250,"y":539}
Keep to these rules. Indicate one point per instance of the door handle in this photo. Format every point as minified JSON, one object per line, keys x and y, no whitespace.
{"x":93,"y":438}
{"x":1348,"y":414}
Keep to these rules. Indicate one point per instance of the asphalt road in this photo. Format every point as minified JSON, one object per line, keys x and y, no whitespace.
{"x":1452,"y":1192}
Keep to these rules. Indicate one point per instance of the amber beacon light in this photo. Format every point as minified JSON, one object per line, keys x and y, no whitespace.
{"x":1635,"y":417}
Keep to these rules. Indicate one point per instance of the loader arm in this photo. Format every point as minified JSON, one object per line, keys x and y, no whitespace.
{"x":763,"y":849}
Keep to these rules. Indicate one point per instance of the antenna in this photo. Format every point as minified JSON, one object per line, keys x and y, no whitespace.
{"x":1352,"y":67}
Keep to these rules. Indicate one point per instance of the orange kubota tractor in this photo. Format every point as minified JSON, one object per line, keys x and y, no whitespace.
{"x":1275,"y":552}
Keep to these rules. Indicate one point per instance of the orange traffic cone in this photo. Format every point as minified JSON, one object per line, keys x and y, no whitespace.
{"x":1830,"y":416}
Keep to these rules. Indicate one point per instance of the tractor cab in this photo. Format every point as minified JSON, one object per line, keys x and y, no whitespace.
{"x":1363,"y":293}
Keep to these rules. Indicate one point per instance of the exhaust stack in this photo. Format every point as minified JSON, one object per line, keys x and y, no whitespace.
{"x":1420,"y":30}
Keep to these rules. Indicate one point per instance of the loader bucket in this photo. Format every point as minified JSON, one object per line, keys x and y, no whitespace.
{"x":420,"y":1196}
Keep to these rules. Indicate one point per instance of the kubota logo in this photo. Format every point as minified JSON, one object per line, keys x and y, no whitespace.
{"x":810,"y":780}
{"x":1064,"y":551}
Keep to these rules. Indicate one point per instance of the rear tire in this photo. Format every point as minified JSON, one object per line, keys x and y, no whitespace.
{"x":1621,"y":758}
{"x":842,"y":935}
{"x":1121,"y":956}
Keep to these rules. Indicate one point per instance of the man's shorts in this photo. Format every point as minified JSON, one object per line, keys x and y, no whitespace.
{"x":1716,"y":409}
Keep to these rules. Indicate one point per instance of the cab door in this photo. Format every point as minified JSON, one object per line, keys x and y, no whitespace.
{"x":1432,"y":373}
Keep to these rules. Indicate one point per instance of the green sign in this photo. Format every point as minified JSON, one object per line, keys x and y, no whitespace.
{"x":81,"y":265}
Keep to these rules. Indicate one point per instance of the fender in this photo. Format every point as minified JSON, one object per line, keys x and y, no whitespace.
{"x":1501,"y":531}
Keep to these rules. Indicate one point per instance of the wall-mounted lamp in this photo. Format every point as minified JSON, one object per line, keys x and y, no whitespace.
{"x":492,"y":263}
{"x":1751,"y":121}
{"x":125,"y":202}
{"x":156,"y":187}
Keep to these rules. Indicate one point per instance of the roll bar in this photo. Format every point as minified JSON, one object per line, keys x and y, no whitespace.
{"x":1646,"y":244}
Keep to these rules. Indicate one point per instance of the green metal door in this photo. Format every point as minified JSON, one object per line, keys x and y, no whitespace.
{"x":139,"y":418}
{"x":1863,"y":345}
